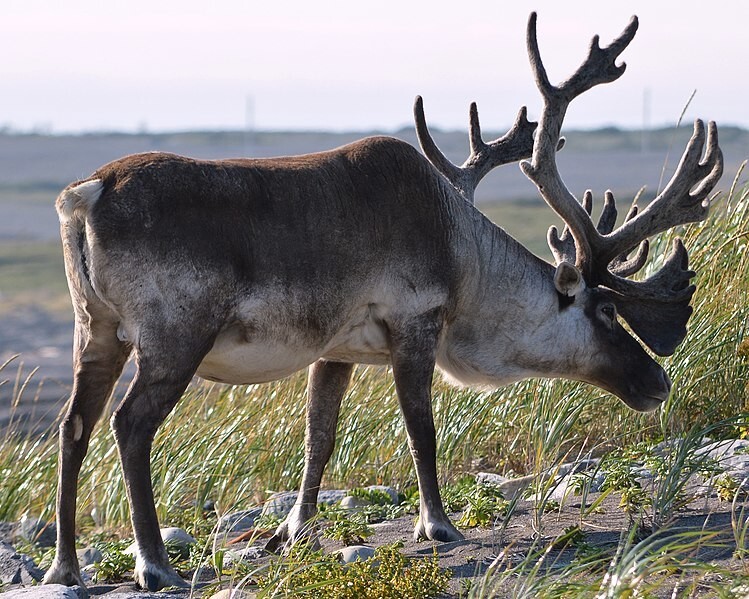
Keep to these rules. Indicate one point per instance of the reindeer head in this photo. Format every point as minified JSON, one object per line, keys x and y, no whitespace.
{"x":594,"y":262}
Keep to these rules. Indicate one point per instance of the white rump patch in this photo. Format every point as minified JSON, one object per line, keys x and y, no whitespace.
{"x":81,"y":197}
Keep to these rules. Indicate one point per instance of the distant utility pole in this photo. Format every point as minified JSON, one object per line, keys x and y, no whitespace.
{"x":249,"y":124}
{"x":645,"y":135}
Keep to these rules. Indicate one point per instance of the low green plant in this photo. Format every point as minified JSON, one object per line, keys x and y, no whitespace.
{"x":387,"y":575}
{"x":456,"y":494}
{"x":726,"y":487}
{"x":351,"y":530}
{"x":484,"y":504}
{"x":115,"y":563}
{"x":268,"y":521}
{"x":378,"y":513}
{"x":372,"y":496}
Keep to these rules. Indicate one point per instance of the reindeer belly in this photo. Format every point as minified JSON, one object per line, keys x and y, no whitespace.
{"x":244,"y":354}
{"x":240,"y":361}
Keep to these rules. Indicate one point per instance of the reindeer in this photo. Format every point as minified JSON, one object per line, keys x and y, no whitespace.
{"x":244,"y":271}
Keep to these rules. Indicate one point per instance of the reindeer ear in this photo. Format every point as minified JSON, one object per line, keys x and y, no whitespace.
{"x":568,"y":279}
{"x":660,"y":325}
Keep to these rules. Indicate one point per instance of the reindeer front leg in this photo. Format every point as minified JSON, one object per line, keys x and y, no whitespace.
{"x":413,"y":353}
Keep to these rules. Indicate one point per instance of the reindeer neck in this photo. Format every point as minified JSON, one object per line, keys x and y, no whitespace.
{"x":510,"y":297}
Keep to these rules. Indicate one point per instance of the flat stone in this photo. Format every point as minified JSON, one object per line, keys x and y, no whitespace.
{"x":173,"y":535}
{"x":233,"y":594}
{"x":353,"y":553}
{"x":248,"y":554}
{"x":146,"y":595}
{"x":177,"y":536}
{"x":489,"y":478}
{"x":353,"y":503}
{"x":47,"y":591}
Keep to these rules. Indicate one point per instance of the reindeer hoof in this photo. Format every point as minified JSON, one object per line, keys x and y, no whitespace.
{"x":274,"y":544}
{"x":437,"y":531}
{"x":69,"y":576}
{"x":152,"y":577}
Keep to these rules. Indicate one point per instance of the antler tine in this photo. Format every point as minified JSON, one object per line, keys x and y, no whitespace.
{"x":429,"y":147}
{"x":516,"y":144}
{"x":563,"y":246}
{"x":622,"y":265}
{"x":474,"y":131}
{"x":684,"y":200}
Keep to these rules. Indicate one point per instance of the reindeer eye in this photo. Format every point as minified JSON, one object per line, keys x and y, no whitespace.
{"x":609,"y":312}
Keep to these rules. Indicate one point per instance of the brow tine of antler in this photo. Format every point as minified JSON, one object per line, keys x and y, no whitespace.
{"x":682,"y":201}
{"x":670,"y":284}
{"x":622,"y":266}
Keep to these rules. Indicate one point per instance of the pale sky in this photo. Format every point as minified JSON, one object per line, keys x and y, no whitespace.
{"x":85,"y":65}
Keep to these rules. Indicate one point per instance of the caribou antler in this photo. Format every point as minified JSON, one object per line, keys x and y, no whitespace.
{"x":515,"y":145}
{"x":600,"y":252}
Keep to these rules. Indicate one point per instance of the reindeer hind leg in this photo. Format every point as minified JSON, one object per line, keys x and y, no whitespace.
{"x":98,"y":358}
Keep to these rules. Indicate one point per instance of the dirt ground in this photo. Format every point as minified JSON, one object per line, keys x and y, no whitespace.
{"x":504,"y":545}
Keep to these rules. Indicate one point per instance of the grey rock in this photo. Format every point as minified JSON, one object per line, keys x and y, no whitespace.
{"x":248,"y":554}
{"x":47,"y":591}
{"x":7,"y":529}
{"x":35,"y":530}
{"x":562,"y":474}
{"x":489,"y":478}
{"x":145,"y":595}
{"x":575,"y":467}
{"x":178,"y":537}
{"x":733,"y":457}
{"x":238,"y":522}
{"x":669,"y":446}
{"x":353,"y":503}
{"x":353,"y":553}
{"x":16,"y":568}
{"x":88,"y":556}
{"x":172,"y":535}
{"x":280,"y":504}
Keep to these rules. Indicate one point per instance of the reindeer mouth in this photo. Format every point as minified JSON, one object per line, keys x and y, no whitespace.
{"x":646,"y":395}
{"x":653,"y":398}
